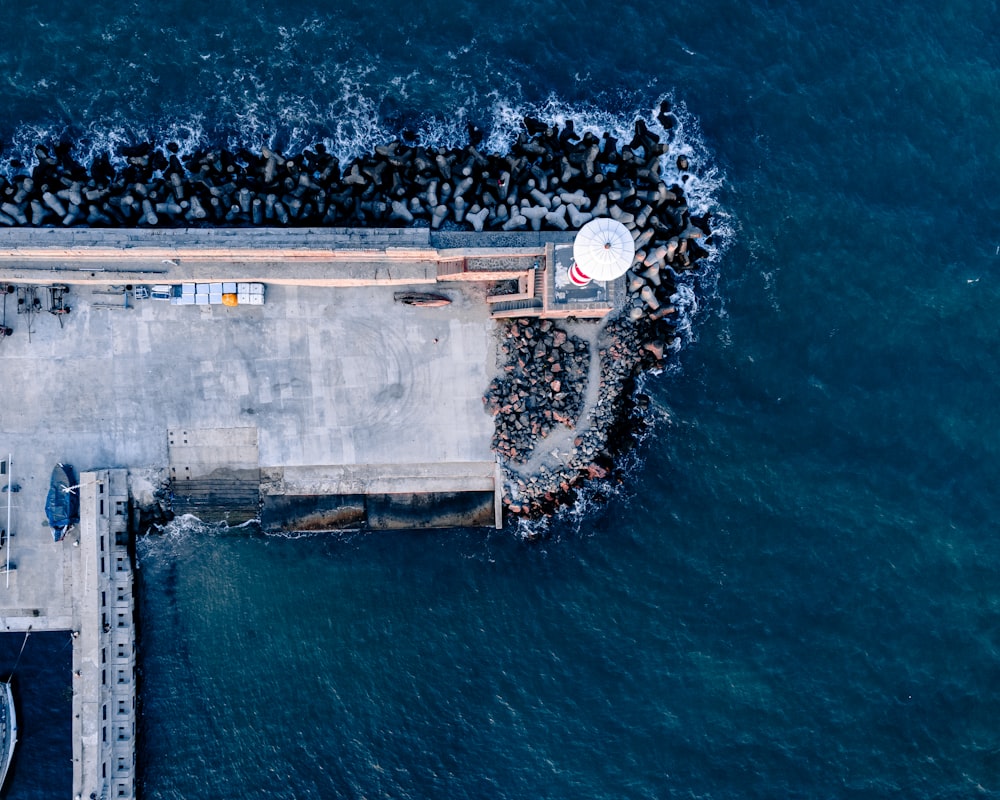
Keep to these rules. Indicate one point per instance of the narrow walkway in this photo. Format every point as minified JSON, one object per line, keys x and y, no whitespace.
{"x":104,"y":642}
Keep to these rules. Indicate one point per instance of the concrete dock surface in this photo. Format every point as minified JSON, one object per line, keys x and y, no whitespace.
{"x":326,"y":376}
{"x":328,"y":387}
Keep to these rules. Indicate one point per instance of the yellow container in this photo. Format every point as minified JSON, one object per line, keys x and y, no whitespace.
{"x":229,"y":300}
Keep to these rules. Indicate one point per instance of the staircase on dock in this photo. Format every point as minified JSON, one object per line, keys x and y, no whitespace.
{"x":528,"y":303}
{"x":214,"y":473}
{"x":527,"y":307}
{"x":217,"y":498}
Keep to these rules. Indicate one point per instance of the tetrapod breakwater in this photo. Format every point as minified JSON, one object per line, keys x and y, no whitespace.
{"x":552,"y":178}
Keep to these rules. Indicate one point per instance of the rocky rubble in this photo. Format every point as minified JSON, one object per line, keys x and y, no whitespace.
{"x":627,"y":347}
{"x":153,"y":512}
{"x":626,"y":184}
{"x":542,"y":384}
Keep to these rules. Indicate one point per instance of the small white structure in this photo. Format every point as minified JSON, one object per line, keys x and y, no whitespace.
{"x":250,"y":294}
{"x":228,"y":294}
{"x":603,"y":251}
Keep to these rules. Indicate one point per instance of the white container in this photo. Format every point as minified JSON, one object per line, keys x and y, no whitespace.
{"x":229,"y":288}
{"x":202,"y":288}
{"x":215,"y":299}
{"x":201,"y":299}
{"x":215,"y":288}
{"x":185,"y":299}
{"x":187,"y":288}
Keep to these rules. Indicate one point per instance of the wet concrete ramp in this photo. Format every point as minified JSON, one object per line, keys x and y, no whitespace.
{"x":214,"y":473}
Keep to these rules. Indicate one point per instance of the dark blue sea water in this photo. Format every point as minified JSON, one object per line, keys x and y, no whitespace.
{"x":40,"y":667}
{"x":797,"y":593}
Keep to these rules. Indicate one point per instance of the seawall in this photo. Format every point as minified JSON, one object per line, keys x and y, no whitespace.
{"x":400,"y":215}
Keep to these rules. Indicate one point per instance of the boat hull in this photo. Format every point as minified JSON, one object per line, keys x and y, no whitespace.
{"x":8,"y":730}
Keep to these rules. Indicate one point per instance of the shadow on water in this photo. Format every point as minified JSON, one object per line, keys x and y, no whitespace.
{"x":43,"y":698}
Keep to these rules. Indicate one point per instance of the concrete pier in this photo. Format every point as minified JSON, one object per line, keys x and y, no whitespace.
{"x":329,"y":374}
{"x":82,"y":586}
{"x":104,"y":651}
{"x":329,"y":384}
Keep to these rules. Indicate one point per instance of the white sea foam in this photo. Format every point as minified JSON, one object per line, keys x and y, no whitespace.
{"x":344,"y":534}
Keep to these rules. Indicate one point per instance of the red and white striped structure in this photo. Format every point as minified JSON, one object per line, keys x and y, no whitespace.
{"x":602,"y":251}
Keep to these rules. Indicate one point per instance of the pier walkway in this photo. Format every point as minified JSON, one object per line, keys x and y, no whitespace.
{"x":322,"y":385}
{"x":330,"y":375}
{"x":340,"y":257}
{"x":104,"y":675}
{"x":81,"y":585}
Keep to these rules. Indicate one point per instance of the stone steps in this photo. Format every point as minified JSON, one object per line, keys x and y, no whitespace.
{"x":213,"y":500}
{"x":515,"y":308}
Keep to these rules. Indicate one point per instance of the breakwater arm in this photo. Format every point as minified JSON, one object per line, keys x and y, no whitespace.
{"x":551,"y":182}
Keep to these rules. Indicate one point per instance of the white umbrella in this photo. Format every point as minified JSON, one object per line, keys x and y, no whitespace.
{"x":603,"y":250}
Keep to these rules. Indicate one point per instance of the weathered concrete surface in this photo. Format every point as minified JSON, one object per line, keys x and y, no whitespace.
{"x":38,"y":593}
{"x":104,"y":644}
{"x":388,"y":478}
{"x":326,"y":376}
{"x":102,"y":269}
{"x":298,"y":256}
{"x":429,"y":510}
{"x":298,"y":243}
{"x":313,"y":512}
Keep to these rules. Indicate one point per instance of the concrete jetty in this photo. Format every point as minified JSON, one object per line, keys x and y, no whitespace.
{"x":104,"y":676}
{"x":329,"y":388}
{"x":330,"y":405}
{"x":82,"y":586}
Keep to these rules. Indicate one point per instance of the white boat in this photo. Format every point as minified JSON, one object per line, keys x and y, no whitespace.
{"x":8,"y":729}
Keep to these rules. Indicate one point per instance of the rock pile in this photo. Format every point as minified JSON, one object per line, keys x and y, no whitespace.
{"x":154,"y":514}
{"x":604,"y":434}
{"x":542,"y":385}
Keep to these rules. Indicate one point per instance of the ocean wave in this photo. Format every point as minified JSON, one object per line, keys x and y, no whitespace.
{"x":178,"y":534}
